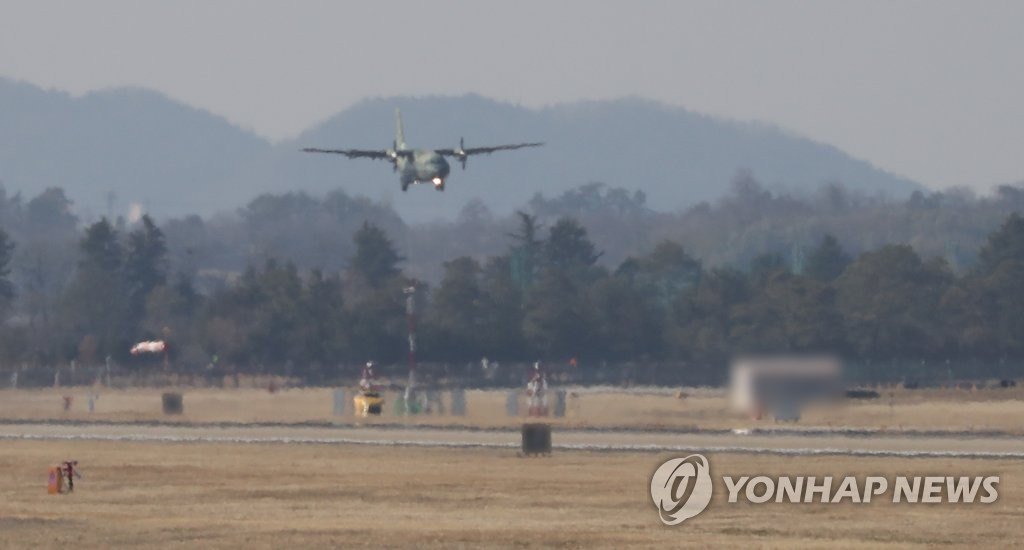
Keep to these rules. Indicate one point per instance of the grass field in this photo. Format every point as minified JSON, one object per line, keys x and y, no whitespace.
{"x":932,"y":409}
{"x":301,"y":496}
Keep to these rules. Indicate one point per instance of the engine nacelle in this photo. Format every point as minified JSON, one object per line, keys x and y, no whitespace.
{"x":460,"y":154}
{"x":393,"y":156}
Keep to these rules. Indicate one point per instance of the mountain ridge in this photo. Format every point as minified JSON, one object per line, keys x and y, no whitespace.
{"x":175,"y":159}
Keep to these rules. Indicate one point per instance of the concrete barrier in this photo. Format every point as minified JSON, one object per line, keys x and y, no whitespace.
{"x":512,"y":403}
{"x":339,"y":402}
{"x":559,"y":410}
{"x":458,"y":402}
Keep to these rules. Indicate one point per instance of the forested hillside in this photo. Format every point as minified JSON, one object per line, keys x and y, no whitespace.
{"x":305,"y":285}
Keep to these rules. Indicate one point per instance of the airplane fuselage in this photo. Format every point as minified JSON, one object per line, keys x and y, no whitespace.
{"x":425,"y":166}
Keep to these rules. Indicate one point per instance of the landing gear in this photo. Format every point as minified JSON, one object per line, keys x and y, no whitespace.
{"x":438,"y":183}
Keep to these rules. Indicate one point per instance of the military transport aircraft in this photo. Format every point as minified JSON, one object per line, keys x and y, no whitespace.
{"x":419,"y":165}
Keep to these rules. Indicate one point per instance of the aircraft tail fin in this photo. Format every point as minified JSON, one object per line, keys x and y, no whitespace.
{"x":399,"y":132}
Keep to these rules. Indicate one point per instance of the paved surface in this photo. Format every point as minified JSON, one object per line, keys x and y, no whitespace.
{"x":930,"y":445}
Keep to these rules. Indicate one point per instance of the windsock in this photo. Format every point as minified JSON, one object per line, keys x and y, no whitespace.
{"x":155,"y":346}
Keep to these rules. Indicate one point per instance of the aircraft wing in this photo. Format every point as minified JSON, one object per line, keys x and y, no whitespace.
{"x":355,"y":153}
{"x":485,"y":150}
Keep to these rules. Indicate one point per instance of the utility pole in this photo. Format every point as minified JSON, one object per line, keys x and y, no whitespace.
{"x":410,"y":317}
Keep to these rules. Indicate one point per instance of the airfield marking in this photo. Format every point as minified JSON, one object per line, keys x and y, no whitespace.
{"x":810,"y":431}
{"x":466,"y":444}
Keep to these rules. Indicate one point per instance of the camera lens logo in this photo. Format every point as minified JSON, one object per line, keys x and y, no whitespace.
{"x":681,"y":488}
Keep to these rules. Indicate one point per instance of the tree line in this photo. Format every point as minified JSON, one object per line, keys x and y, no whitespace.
{"x":547,"y":293}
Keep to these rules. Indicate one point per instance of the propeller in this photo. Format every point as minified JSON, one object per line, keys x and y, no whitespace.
{"x":393,"y":155}
{"x":460,"y":153}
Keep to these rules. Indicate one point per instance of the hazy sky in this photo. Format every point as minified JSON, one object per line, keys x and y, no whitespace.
{"x":930,"y":89}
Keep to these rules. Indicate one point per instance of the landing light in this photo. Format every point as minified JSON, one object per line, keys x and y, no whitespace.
{"x":437,"y":181}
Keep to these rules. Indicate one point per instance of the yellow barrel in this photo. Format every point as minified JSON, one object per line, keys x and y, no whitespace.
{"x":367,"y":404}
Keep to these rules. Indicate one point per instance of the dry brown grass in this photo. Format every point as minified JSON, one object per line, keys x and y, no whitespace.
{"x":958,"y":410}
{"x":303,"y":496}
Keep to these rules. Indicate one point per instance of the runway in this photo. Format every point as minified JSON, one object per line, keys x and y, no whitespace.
{"x":788,"y":443}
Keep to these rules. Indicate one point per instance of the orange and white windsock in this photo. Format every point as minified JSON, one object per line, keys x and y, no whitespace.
{"x":155,"y":346}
